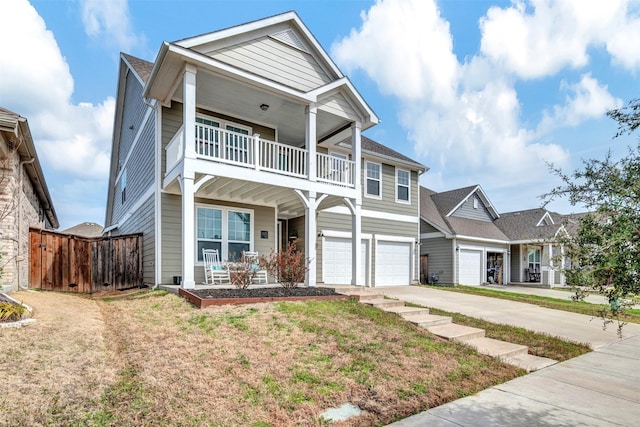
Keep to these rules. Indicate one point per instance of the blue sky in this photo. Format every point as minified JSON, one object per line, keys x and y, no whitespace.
{"x":481,"y":92}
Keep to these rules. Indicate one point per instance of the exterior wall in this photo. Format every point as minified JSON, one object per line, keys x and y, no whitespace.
{"x":276,"y":61}
{"x":388,"y":202}
{"x":171,"y":122}
{"x":484,"y":248}
{"x":440,"y":252}
{"x":427,"y":228}
{"x":19,"y":209}
{"x":466,"y":210}
{"x":264,"y":220}
{"x":143,"y":221}
{"x":516,"y":263}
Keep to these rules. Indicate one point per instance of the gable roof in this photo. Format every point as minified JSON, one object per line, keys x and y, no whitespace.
{"x":527,"y":225}
{"x":436,"y":209}
{"x":449,"y":201}
{"x":140,"y":66}
{"x":14,"y":125}
{"x":85,"y":229}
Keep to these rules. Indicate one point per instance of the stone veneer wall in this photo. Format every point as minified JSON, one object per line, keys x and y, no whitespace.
{"x":16,"y":204}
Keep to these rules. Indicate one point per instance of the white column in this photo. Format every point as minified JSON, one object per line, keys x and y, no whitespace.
{"x":189,"y":111}
{"x":256,"y":151}
{"x":188,"y":232}
{"x":356,"y":155}
{"x":311,"y":139}
{"x":552,"y":271}
{"x":356,"y":239}
{"x":310,"y":235}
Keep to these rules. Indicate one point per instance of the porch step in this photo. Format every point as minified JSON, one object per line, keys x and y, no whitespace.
{"x":407,"y":312}
{"x":456,"y":332}
{"x":529,"y":362}
{"x":428,"y":320}
{"x":495,"y":348}
{"x":384,"y":303}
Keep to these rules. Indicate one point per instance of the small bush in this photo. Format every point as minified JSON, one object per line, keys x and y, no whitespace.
{"x":243,"y":272}
{"x":10,"y":312}
{"x":288,"y":267}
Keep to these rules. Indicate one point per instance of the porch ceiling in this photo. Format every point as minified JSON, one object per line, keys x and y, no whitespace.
{"x":237,"y":191}
{"x":226,"y":96}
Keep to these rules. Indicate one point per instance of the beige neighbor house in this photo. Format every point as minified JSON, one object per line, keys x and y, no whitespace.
{"x":24,"y":199}
{"x":248,"y":138}
{"x":464,"y":240}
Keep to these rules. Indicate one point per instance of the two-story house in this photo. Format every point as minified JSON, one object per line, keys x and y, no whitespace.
{"x":248,"y":138}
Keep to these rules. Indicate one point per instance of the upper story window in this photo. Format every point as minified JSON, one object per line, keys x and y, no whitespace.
{"x":123,"y":186}
{"x":373,"y":180}
{"x":402,"y":186}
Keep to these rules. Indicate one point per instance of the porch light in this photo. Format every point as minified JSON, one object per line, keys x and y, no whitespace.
{"x":264,"y":107}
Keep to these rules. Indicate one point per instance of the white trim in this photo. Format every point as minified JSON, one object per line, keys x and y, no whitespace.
{"x":398,"y":239}
{"x":482,"y":239}
{"x":158,"y":194}
{"x":367,"y":213}
{"x":224,"y":249}
{"x":366,"y":178}
{"x":343,"y":234}
{"x":546,"y":215}
{"x":388,"y":238}
{"x":408,"y":201}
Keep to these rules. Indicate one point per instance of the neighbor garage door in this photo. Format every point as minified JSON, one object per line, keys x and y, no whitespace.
{"x":393,"y":263}
{"x":469,"y":267}
{"x":336,"y":261}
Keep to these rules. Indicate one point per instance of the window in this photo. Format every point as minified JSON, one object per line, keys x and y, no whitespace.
{"x":230,"y":231}
{"x":123,"y":186}
{"x":373,"y":180}
{"x":234,"y":147}
{"x":402,"y":185}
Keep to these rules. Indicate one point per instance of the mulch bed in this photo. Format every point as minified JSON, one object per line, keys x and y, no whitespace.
{"x":205,"y":297}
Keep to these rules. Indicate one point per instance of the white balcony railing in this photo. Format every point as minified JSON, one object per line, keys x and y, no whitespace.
{"x":243,"y":150}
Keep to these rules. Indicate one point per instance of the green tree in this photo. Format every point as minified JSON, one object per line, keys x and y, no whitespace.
{"x":604,"y":247}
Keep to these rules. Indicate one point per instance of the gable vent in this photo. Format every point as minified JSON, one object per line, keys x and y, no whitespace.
{"x":290,"y":38}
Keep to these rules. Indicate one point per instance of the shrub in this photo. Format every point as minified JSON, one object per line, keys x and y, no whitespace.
{"x":10,"y":312}
{"x":288,"y":267}
{"x":243,"y":272}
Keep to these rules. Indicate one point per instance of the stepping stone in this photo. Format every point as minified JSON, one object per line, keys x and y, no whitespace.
{"x":428,"y":320}
{"x":529,"y":362}
{"x":407,"y":312}
{"x":455,"y":332}
{"x":496,"y":348}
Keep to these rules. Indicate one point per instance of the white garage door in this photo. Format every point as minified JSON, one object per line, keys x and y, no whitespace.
{"x":393,"y":263}
{"x":469,"y":267}
{"x":336,"y":261}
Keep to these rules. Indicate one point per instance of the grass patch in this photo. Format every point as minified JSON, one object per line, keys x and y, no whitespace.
{"x":630,"y":315}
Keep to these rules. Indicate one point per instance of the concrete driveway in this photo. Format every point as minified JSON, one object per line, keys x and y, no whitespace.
{"x":601,"y":388}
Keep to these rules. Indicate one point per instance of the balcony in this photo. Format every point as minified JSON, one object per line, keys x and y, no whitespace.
{"x":250,"y":151}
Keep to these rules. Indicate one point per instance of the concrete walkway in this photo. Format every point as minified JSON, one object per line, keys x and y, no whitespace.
{"x":601,"y":388}
{"x":551,"y":293}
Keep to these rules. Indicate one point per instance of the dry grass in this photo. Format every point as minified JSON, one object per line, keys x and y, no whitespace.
{"x":155,"y":360}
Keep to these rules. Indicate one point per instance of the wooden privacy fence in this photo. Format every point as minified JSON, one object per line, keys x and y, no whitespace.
{"x":63,"y":262}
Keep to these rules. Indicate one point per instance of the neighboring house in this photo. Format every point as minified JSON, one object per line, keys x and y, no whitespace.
{"x":24,"y":199}
{"x":460,"y":242}
{"x":85,"y":229}
{"x":246,"y":139}
{"x":535,"y":254}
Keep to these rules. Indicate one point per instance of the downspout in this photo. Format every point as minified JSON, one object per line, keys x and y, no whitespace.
{"x":19,"y":207}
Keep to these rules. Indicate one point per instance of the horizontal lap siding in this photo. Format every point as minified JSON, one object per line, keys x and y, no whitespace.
{"x":466,"y":210}
{"x":276,"y":61}
{"x":427,"y":228}
{"x":388,"y":202}
{"x":338,"y":105}
{"x":171,"y":122}
{"x":142,"y":221}
{"x":440,"y":255}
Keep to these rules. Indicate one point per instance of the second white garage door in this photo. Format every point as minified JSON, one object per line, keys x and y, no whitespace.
{"x":469,"y":267}
{"x":393,"y":263}
{"x":336,"y":261}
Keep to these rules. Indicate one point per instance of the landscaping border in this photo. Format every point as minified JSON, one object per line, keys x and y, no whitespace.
{"x":206,"y":302}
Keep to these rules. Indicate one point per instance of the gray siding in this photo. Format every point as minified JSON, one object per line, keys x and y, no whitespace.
{"x":516,"y":263}
{"x":276,"y":61}
{"x":264,"y":220}
{"x":142,"y":221}
{"x":427,"y":228}
{"x":466,"y":210}
{"x":388,"y":185}
{"x":440,"y":252}
{"x":132,"y":114}
{"x":171,"y":122}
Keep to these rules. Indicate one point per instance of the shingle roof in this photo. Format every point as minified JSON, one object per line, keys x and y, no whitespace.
{"x":140,"y":66}
{"x":522,"y":225}
{"x":85,"y":229}
{"x":435,"y":206}
{"x":377,"y":148}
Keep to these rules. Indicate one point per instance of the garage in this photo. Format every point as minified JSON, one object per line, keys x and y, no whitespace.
{"x":336,"y":261}
{"x":469,"y":267}
{"x":393,"y":263}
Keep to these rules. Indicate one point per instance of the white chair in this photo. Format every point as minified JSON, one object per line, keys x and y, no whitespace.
{"x":214,"y":271}
{"x":260,"y":274}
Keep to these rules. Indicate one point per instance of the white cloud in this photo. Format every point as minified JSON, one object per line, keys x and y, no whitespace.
{"x":110,"y":20}
{"x":406,"y":47}
{"x":539,"y":38}
{"x":587,"y":99}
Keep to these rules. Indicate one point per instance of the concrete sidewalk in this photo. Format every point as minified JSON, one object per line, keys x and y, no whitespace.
{"x":551,"y":293}
{"x":601,"y":388}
